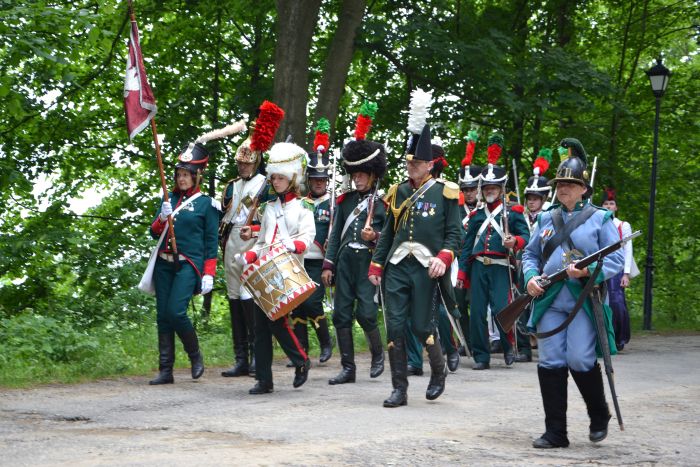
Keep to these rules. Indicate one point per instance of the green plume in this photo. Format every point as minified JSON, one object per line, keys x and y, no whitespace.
{"x":545,"y":153}
{"x":368,"y":109}
{"x":323,"y":125}
{"x":472,"y":135}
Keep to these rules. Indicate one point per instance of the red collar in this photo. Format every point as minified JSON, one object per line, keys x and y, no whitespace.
{"x":287,"y":197}
{"x":493,"y":205}
{"x":188,"y":193}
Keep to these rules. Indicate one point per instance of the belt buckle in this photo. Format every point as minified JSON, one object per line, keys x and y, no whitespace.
{"x":487,"y":261}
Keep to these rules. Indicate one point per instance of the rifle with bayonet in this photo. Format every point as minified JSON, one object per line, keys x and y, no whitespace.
{"x":510,"y":314}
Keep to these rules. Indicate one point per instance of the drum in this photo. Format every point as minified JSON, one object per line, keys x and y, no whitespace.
{"x":277,"y":282}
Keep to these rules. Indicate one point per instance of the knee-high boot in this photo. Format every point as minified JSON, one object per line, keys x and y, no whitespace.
{"x":324,"y":339}
{"x":398,"y":361}
{"x":553,"y":386}
{"x":347,"y":358}
{"x":239,"y":336}
{"x":438,"y":371}
{"x":166,"y":350}
{"x":191,"y":344}
{"x":374,"y":338}
{"x":590,"y":384}
{"x":249,"y":314}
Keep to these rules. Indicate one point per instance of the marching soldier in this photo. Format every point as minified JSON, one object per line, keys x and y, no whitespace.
{"x":484,"y":262}
{"x":195,"y":222}
{"x":349,"y":254}
{"x":469,"y":176}
{"x":416,"y":249}
{"x":536,"y":193}
{"x":618,"y":284}
{"x":311,"y":310}
{"x":287,"y":220}
{"x":238,"y":199}
{"x":570,"y":231}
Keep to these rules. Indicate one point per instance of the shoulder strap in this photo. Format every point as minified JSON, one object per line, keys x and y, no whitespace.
{"x":564,"y":231}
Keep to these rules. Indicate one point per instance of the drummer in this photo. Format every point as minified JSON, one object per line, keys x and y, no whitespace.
{"x":285,"y":220}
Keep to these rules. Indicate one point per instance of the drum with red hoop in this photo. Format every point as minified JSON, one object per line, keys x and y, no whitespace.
{"x":278,"y":282}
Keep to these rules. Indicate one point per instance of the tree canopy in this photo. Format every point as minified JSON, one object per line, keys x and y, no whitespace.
{"x":536,"y":71}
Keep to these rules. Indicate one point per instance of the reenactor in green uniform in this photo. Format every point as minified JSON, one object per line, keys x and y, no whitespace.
{"x":311,"y":310}
{"x":485,"y":262}
{"x":417,"y":246}
{"x":359,"y":218}
{"x":195,"y":223}
{"x":414,"y":347}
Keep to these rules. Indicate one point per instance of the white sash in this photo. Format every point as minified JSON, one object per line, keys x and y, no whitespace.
{"x":353,"y":215}
{"x":490,"y":219}
{"x":146,"y":285}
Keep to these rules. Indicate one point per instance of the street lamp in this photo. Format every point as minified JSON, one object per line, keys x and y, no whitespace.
{"x":658,"y":77}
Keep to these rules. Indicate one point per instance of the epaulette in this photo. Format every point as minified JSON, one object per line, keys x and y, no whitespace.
{"x":307,"y":204}
{"x":391,"y":193}
{"x":261,"y":208}
{"x":518,"y":208}
{"x":450,"y":190}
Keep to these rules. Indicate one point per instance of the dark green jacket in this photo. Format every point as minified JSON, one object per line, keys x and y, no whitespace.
{"x":346,"y":203}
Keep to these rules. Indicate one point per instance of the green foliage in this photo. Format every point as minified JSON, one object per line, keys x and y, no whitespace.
{"x":535,"y":72}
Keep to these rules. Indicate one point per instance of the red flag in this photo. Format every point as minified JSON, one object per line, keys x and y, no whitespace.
{"x":139,"y":103}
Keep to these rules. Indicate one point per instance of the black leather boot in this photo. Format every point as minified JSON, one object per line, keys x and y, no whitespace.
{"x":324,"y":339}
{"x":261,"y":387}
{"x":191,"y":344}
{"x":239,"y":338}
{"x":249,"y":314}
{"x":347,"y":358}
{"x":438,"y":371}
{"x":453,"y":360}
{"x":166,"y":349}
{"x":301,"y":374}
{"x":374,"y":339}
{"x":398,"y":361}
{"x":553,"y":389}
{"x":590,"y":384}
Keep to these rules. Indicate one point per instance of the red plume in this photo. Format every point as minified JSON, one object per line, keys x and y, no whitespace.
{"x":469,"y":154}
{"x":542,"y":164}
{"x":495,"y":148}
{"x":321,"y":139}
{"x":266,"y":126}
{"x":610,"y":194}
{"x":362,"y":125}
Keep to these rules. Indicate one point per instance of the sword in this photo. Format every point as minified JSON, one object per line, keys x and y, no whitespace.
{"x":605,"y":345}
{"x":381,"y":302}
{"x":455,"y":325}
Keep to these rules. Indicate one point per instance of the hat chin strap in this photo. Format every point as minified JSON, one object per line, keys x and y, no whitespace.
{"x":362,"y":161}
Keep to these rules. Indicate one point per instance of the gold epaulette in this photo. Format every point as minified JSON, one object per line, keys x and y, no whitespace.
{"x":391,"y":193}
{"x":450,"y":190}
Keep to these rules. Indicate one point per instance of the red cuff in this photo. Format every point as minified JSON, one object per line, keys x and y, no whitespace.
{"x":300,"y":247}
{"x":467,"y":283}
{"x":255,"y":228}
{"x":374,"y":270}
{"x":210,"y":267}
{"x":328,"y":266}
{"x":446,"y":257}
{"x":157,"y":227}
{"x":250,"y":257}
{"x":519,"y":243}
{"x":462,"y":276}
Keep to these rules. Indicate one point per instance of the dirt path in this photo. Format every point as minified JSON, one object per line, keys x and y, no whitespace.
{"x":487,"y":417}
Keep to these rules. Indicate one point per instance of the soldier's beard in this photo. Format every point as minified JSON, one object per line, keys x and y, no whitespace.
{"x":491,"y":199}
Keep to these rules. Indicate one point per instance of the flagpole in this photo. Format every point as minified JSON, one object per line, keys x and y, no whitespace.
{"x":159,"y":158}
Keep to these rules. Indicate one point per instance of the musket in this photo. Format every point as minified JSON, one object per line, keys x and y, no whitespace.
{"x":370,"y":209}
{"x":595,"y":166}
{"x":511,"y":260}
{"x":332,"y":217}
{"x":256,"y":203}
{"x":510,"y":314}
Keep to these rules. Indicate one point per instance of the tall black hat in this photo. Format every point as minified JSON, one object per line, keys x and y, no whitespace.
{"x":364,"y":156}
{"x":538,"y":184}
{"x":423,"y":150}
{"x":494,"y":174}
{"x":573,"y":166}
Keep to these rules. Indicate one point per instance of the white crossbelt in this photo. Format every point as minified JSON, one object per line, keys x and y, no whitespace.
{"x":490,"y":219}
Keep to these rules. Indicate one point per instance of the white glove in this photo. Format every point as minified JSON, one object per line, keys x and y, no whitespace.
{"x":289,"y":245}
{"x":165,"y":210}
{"x":207,"y":283}
{"x":240,"y":259}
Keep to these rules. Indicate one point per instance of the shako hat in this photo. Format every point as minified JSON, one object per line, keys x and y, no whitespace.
{"x":469,"y":173}
{"x":538,"y":184}
{"x":195,"y":156}
{"x":494,"y":174}
{"x":319,"y":163}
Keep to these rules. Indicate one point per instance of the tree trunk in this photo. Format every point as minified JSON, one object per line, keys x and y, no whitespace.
{"x":295,"y":24}
{"x":520,"y":36}
{"x":338,"y":59}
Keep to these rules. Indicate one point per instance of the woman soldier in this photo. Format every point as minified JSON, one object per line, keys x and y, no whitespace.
{"x":288,"y":221}
{"x":195,"y":222}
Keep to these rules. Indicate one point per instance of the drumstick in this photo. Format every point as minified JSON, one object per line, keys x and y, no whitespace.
{"x":275,"y":243}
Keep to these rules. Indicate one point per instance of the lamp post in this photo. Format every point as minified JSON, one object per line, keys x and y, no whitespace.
{"x":658,"y":77}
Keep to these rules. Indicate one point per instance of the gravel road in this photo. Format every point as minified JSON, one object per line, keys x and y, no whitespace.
{"x":483,"y":418}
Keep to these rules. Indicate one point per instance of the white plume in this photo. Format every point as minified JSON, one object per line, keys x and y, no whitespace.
{"x":420,"y":107}
{"x":223,"y":132}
